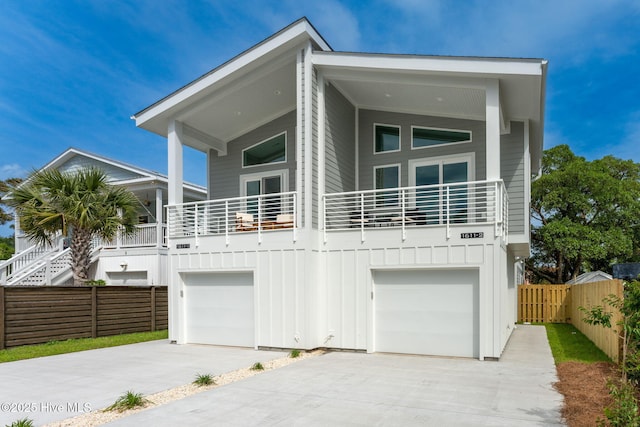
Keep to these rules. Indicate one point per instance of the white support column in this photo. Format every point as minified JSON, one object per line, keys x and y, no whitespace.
{"x":175,"y":174}
{"x":159,"y":220}
{"x":299,"y":136}
{"x":321,"y":145}
{"x":308,"y":138}
{"x":493,"y":129}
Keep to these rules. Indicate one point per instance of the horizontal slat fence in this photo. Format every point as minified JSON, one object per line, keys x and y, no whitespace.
{"x":34,"y":315}
{"x":559,"y":304}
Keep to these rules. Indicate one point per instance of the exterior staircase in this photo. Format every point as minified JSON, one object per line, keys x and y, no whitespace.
{"x":39,"y":266}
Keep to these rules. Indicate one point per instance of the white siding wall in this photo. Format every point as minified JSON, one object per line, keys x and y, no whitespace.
{"x":150,"y":260}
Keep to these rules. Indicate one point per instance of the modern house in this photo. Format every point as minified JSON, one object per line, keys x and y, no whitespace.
{"x":140,"y":259}
{"x":355,"y":201}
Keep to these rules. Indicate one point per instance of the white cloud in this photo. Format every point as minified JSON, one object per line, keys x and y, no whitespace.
{"x":12,"y":170}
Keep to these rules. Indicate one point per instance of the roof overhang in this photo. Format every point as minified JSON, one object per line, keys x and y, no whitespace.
{"x":268,"y":66}
{"x":442,"y":86}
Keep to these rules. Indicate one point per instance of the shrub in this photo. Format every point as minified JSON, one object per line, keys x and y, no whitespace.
{"x":203,"y":380}
{"x":24,"y":422}
{"x":624,"y":410}
{"x":129,"y":400}
{"x":257,"y":367}
{"x":294,"y":354}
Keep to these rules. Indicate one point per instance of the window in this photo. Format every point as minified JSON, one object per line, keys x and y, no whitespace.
{"x":387,"y":177}
{"x":387,"y":138}
{"x":437,"y":202}
{"x":263,"y":184}
{"x":273,"y":150}
{"x":429,"y":137}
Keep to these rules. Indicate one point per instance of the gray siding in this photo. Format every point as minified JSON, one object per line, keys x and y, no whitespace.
{"x":366,"y":144}
{"x":114,"y":173}
{"x":339,"y":143}
{"x":225,"y":171}
{"x":512,"y":172}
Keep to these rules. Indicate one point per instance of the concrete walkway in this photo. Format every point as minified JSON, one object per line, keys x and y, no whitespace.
{"x":58,"y":387}
{"x":351,"y":389}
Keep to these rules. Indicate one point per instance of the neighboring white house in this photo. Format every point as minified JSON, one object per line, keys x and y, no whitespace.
{"x":356,"y":201}
{"x":134,"y":260}
{"x":589,"y":277}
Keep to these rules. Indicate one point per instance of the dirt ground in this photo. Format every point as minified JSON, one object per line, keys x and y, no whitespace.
{"x":584,"y":387}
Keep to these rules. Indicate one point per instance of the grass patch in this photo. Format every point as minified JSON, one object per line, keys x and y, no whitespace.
{"x":294,"y":354}
{"x":129,"y":400}
{"x":203,"y":380}
{"x":80,"y":344}
{"x":569,"y":344}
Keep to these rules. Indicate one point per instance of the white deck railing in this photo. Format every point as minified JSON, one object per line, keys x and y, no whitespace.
{"x":257,"y":214}
{"x":146,"y":235}
{"x":479,"y":202}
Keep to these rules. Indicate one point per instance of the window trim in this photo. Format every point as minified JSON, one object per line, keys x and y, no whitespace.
{"x":445,"y":144}
{"x":399,"y":138}
{"x":470,"y":158}
{"x":375,"y":168}
{"x":282,"y":173}
{"x":286,"y":154}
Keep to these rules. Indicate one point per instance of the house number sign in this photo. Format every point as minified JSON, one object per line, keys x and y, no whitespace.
{"x":183,"y":245}
{"x":476,"y":235}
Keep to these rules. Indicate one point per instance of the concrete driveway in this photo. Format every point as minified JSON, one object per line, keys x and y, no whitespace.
{"x":333,"y":389}
{"x":383,"y":389}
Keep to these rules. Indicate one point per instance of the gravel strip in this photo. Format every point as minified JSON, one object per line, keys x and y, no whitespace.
{"x":100,"y":416}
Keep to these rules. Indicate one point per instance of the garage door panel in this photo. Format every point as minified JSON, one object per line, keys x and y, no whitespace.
{"x":219,"y":309}
{"x":426,"y":312}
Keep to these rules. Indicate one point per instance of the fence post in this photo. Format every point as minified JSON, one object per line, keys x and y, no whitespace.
{"x":2,"y":311}
{"x":153,"y":308}
{"x":94,"y":312}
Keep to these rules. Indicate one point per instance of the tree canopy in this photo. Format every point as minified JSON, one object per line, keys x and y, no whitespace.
{"x":585,"y":214}
{"x":5,"y":187}
{"x":80,"y":204}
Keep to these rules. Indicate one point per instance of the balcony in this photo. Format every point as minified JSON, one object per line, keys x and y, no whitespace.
{"x":146,"y":235}
{"x":448,"y":205}
{"x":239,"y":215}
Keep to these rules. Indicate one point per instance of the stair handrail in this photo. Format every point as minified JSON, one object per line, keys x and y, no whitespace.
{"x":31,"y":255}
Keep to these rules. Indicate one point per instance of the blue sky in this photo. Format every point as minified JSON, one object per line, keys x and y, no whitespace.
{"x":73,"y":72}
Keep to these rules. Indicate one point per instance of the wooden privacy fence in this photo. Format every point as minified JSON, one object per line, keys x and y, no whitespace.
{"x":559,"y":304}
{"x":34,"y":315}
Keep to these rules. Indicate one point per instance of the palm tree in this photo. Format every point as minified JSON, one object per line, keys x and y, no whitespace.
{"x":81,"y":203}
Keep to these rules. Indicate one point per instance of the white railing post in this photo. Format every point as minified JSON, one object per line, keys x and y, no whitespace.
{"x":448,"y":212}
{"x":195,"y":223}
{"x":498,"y":212}
{"x":402,"y":215}
{"x":3,"y":276}
{"x":226,"y":222}
{"x":47,"y":272}
{"x":324,"y":217}
{"x":259,"y":219}
{"x":362,"y":217}
{"x":295,"y":225}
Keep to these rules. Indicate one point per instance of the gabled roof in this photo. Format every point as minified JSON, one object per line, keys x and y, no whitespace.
{"x":591,"y":276}
{"x":119,"y":173}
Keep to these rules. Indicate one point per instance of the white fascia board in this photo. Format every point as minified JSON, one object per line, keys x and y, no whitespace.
{"x":463,"y":65}
{"x":298,"y":30}
{"x":161,"y":179}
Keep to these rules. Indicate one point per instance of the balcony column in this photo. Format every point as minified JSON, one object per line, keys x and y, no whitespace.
{"x":493,"y":129}
{"x":175,"y":170}
{"x":159,"y":221}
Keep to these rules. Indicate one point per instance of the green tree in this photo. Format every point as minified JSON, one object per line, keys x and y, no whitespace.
{"x":585,"y":214}
{"x":81,"y":204}
{"x":6,"y":247}
{"x":5,"y":187}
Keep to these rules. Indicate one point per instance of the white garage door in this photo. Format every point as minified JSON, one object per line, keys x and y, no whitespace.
{"x":431,"y":312}
{"x":219,"y":309}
